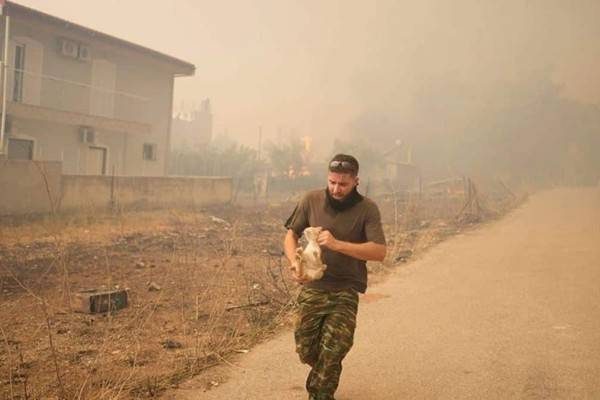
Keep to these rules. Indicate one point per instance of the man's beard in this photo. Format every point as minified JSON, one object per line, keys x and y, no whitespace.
{"x":350,"y":200}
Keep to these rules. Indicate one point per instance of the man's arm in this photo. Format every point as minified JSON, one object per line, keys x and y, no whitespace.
{"x":369,"y":251}
{"x":293,"y":254}
{"x":290,"y":244}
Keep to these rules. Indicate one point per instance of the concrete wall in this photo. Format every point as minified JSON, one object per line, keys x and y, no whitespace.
{"x":28,"y":187}
{"x":99,"y":192}
{"x":34,"y":187}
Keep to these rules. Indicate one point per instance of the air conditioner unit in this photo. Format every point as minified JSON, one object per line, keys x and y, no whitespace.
{"x":85,"y":53}
{"x":87,"y":134}
{"x":68,"y":48}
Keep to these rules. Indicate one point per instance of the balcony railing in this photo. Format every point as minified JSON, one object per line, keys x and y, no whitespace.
{"x":69,"y":95}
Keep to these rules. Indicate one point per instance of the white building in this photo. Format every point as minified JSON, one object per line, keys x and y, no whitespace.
{"x":96,"y":103}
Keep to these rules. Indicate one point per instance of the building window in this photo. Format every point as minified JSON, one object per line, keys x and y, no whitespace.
{"x":20,"y":149}
{"x":25,"y":83}
{"x":17,"y":93}
{"x":149,"y":151}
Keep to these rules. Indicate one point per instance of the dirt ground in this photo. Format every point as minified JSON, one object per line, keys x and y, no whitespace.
{"x":202,"y":285}
{"x":508,"y":310}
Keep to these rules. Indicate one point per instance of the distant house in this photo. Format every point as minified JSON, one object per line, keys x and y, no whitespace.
{"x":401,"y":173}
{"x":193,"y":129}
{"x":96,"y":103}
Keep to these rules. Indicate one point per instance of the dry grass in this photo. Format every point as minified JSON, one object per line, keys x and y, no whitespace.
{"x":223,"y":287}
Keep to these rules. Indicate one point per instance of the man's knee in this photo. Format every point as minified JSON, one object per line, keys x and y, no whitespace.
{"x":307,"y":348}
{"x":308,"y":358}
{"x":338,"y":336}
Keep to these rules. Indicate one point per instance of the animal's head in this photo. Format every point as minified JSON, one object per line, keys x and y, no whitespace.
{"x":312,"y":232}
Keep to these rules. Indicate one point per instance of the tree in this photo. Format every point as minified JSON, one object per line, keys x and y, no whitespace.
{"x":286,"y":159}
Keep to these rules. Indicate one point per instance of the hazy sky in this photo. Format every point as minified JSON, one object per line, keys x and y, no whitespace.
{"x":313,"y":65}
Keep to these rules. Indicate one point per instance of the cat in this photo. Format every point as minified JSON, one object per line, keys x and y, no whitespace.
{"x":309,"y":266}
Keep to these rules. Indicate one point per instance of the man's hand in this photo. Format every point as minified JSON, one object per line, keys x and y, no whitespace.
{"x":361,"y":251}
{"x":326,"y":239}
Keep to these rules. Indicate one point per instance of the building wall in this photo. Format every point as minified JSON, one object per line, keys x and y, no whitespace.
{"x":60,"y":142}
{"x":158,"y":86}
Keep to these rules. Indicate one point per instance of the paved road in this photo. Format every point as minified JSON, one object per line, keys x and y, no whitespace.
{"x":508,"y":311}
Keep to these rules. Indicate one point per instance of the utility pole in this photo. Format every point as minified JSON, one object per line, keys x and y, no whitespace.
{"x":259,"y":140}
{"x":4,"y":72}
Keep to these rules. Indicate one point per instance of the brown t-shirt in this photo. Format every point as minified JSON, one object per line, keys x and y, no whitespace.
{"x":360,"y":223}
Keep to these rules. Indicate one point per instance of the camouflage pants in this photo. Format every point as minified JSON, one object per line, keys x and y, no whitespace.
{"x":324,"y":334}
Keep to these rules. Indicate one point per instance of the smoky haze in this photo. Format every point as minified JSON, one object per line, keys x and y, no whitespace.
{"x":494,"y":87}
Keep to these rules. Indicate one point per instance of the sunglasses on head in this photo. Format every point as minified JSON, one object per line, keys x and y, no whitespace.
{"x":342,"y":164}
